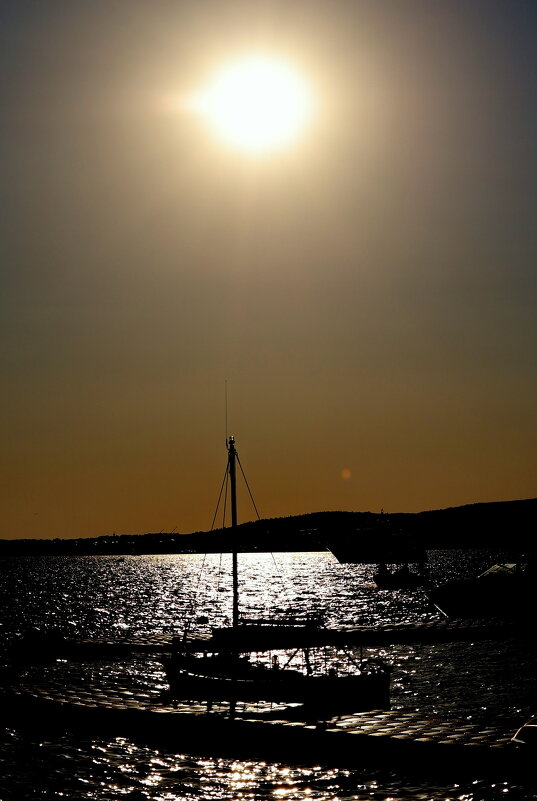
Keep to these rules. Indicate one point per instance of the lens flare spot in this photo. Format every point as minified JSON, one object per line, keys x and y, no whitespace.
{"x":346,"y":474}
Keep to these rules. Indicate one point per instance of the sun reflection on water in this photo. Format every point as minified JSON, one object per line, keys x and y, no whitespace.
{"x":97,"y":596}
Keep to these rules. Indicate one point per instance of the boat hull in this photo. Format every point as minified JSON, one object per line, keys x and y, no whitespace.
{"x":357,"y":693}
{"x":488,"y":596}
{"x":396,"y":549}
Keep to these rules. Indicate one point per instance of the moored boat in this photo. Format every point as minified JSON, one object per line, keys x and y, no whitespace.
{"x":503,"y":591}
{"x":374,"y":546}
{"x":273,"y":659}
{"x":399,"y":579}
{"x":231,"y":676}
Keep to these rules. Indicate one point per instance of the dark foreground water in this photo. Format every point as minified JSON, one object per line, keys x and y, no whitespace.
{"x":92,"y":596}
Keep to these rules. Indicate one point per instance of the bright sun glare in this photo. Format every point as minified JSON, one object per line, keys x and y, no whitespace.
{"x":256,"y":104}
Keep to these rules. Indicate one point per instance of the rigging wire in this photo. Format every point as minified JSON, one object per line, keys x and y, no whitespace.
{"x":295,"y":652}
{"x":224,"y":483}
{"x":193,"y":601}
{"x":279,"y":573}
{"x":248,"y":487}
{"x":224,"y":492}
{"x":219,"y":574}
{"x":224,"y":510}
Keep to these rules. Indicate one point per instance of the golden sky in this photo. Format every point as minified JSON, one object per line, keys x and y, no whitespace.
{"x":368,"y":291}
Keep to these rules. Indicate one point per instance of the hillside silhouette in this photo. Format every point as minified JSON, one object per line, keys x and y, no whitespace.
{"x":503,"y":525}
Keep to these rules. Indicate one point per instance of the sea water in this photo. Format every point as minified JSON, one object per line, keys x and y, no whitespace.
{"x":481,"y":681}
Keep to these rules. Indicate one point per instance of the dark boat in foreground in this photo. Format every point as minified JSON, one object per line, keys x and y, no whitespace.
{"x":504,"y":590}
{"x":288,"y":665}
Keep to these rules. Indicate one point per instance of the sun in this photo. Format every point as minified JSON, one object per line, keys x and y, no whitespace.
{"x":256,"y":104}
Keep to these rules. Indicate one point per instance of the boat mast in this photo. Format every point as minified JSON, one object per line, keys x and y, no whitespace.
{"x":232,"y":454}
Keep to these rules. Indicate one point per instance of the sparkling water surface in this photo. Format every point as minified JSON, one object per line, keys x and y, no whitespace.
{"x":134,"y":595}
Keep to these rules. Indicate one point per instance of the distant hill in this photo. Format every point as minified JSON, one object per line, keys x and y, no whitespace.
{"x":499,"y":526}
{"x":505,"y":524}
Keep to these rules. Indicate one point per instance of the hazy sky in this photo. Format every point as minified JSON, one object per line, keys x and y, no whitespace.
{"x":369,"y":293}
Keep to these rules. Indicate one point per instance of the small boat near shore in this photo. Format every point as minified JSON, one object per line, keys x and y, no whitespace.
{"x":401,"y":578}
